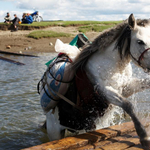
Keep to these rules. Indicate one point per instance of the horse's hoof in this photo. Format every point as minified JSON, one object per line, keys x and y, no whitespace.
{"x":145,"y":143}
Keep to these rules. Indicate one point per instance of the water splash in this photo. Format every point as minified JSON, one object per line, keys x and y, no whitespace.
{"x":140,"y":101}
{"x":113,"y":116}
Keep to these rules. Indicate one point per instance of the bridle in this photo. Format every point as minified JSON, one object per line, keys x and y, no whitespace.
{"x":140,"y":59}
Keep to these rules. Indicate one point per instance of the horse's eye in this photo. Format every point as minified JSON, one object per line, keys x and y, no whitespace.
{"x":140,"y":42}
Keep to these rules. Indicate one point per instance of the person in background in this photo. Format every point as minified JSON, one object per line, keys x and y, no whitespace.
{"x":28,"y":19}
{"x":23,"y":18}
{"x":15,"y":22}
{"x":7,"y":18}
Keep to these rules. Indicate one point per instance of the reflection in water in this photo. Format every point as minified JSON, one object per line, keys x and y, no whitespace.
{"x":20,"y":109}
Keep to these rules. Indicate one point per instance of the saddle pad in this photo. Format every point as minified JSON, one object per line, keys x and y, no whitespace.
{"x":84,"y":87}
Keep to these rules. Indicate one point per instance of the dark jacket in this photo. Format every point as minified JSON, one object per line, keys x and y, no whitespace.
{"x":15,"y":21}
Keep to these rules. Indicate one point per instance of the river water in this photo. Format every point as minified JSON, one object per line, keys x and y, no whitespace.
{"x":20,"y":110}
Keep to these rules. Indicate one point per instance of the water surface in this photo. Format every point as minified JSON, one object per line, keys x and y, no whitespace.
{"x":20,"y":110}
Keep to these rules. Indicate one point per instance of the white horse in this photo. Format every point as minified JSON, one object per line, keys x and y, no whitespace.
{"x":107,"y":64}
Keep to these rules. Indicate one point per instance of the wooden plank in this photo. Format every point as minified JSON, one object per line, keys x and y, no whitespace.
{"x":122,"y":144}
{"x":63,"y":144}
{"x":18,"y":54}
{"x":11,"y":61}
{"x":136,"y":147}
{"x":110,"y":132}
{"x":118,"y":137}
{"x":87,"y":147}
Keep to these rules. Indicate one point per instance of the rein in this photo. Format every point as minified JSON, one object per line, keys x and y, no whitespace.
{"x":140,"y":58}
{"x":126,"y":37}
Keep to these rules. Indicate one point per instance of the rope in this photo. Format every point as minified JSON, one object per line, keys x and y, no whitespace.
{"x":44,"y":80}
{"x":61,"y":96}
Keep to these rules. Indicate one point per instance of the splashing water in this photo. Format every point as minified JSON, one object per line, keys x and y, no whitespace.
{"x":20,"y":109}
{"x":113,"y":116}
{"x":140,"y":101}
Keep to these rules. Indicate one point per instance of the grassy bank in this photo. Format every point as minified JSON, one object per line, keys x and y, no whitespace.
{"x":71,"y":23}
{"x":47,"y":34}
{"x":82,"y":26}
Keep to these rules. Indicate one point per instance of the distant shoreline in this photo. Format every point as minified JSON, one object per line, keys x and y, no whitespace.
{"x":18,"y":42}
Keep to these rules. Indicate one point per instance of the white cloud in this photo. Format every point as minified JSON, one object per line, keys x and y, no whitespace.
{"x":82,"y":9}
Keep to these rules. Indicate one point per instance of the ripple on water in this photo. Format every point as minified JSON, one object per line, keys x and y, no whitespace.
{"x":20,"y":109}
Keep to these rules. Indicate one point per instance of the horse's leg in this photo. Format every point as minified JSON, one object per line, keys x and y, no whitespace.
{"x":135,"y":85}
{"x":113,"y":97}
{"x":54,"y":129}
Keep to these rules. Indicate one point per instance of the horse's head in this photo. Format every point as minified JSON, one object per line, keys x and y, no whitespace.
{"x":140,"y":42}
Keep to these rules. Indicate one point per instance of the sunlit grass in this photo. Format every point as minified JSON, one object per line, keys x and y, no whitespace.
{"x":47,"y":34}
{"x":70,"y":23}
{"x":95,"y":28}
{"x":82,"y":26}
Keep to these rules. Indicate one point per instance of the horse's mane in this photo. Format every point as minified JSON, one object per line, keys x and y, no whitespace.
{"x":122,"y":31}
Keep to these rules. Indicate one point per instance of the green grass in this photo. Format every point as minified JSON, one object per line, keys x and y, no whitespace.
{"x":42,"y":24}
{"x":95,"y":28}
{"x":83,"y":26}
{"x":47,"y":34}
{"x":70,"y":23}
{"x":62,"y":23}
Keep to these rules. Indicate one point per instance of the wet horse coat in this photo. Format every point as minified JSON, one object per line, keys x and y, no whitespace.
{"x":107,"y":65}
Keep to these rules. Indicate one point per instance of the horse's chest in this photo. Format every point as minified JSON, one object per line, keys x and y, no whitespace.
{"x":118,"y":81}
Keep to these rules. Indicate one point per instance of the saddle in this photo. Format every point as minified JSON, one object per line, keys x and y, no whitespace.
{"x":81,"y":92}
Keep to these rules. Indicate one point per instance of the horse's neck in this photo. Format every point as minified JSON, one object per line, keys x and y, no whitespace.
{"x":105,"y":64}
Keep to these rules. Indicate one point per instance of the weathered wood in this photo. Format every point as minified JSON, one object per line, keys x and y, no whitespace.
{"x":69,"y":142}
{"x":11,"y":61}
{"x":118,"y":137}
{"x":18,"y":54}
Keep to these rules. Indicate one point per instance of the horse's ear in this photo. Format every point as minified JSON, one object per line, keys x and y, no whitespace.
{"x":132,"y":22}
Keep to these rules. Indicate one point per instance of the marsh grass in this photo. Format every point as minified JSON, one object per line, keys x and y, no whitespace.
{"x":82,"y":26}
{"x":69,"y":23}
{"x":43,"y":24}
{"x":62,"y":23}
{"x":95,"y":28}
{"x":46,"y":34}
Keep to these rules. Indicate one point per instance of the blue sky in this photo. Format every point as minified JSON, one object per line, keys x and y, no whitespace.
{"x":77,"y":9}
